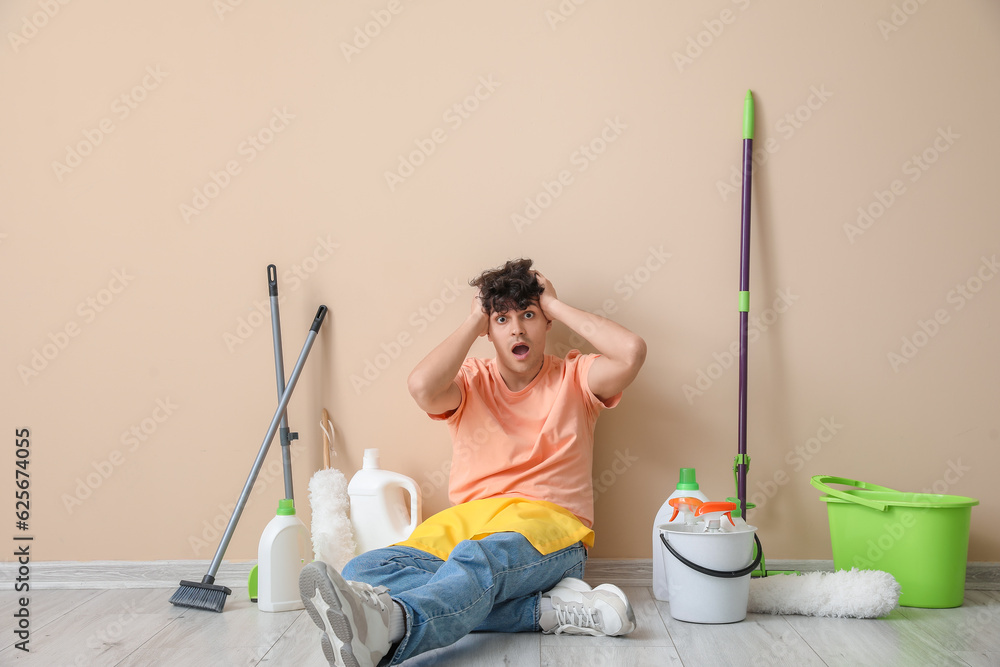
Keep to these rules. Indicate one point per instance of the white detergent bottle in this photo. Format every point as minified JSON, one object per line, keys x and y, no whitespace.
{"x":380,"y":513}
{"x":687,"y":486}
{"x":284,"y":549}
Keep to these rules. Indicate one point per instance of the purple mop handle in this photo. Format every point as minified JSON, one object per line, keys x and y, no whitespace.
{"x":741,"y":470}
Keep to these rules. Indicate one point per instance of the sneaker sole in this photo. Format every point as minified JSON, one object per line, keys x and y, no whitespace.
{"x":315,"y":583}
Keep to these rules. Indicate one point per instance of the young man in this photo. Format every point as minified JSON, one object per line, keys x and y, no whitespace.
{"x":509,"y":554}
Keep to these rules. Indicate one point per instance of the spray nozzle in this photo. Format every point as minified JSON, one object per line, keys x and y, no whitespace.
{"x":714,"y":511}
{"x":687,"y":506}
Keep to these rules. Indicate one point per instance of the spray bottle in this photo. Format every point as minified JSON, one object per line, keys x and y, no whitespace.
{"x":687,"y":486}
{"x":380,"y":513}
{"x":283,"y":551}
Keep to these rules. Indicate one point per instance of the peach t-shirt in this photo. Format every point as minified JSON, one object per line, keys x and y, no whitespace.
{"x":536,"y":443}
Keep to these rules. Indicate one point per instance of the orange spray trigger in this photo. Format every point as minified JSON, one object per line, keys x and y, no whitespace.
{"x":719,"y":507}
{"x":685,"y":503}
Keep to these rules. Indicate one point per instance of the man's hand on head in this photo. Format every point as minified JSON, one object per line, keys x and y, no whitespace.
{"x":479,"y":313}
{"x":547,"y":297}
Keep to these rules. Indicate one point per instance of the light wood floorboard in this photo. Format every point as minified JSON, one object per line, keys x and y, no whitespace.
{"x":139,"y":628}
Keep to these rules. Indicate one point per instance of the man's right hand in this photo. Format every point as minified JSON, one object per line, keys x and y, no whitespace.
{"x":480,"y":316}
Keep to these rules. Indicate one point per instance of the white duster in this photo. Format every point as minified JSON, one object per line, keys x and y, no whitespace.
{"x":332,"y":532}
{"x":854,"y":593}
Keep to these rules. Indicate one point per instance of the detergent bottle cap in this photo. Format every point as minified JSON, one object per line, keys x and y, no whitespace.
{"x":371,"y":459}
{"x":286,"y":507}
{"x":687,"y":480}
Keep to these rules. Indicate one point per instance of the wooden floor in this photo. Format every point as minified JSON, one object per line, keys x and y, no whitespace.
{"x":138,"y":627}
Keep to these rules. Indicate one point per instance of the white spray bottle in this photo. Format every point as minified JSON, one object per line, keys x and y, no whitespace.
{"x":380,"y":514}
{"x":687,"y":486}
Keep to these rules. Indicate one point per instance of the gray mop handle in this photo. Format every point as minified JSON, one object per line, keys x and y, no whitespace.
{"x":272,"y":429}
{"x":279,"y":372}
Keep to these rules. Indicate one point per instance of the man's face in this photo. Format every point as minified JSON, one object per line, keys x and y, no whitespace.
{"x":519,"y":338}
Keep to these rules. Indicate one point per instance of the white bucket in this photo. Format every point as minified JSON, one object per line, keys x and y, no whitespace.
{"x":701,"y":598}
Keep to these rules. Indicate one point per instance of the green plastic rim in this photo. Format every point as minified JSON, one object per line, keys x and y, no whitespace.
{"x":881,"y":498}
{"x":286,"y":507}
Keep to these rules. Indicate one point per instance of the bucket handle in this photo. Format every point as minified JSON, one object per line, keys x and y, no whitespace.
{"x":821,"y":481}
{"x":721,"y":574}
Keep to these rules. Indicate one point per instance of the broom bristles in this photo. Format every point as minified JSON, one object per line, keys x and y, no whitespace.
{"x":200,"y":596}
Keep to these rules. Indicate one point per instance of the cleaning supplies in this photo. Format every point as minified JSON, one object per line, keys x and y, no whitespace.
{"x":380,"y":514}
{"x":687,"y":487}
{"x":280,"y":549}
{"x":207,"y":594}
{"x":708,"y":567}
{"x":282,"y":553}
{"x":332,"y":533}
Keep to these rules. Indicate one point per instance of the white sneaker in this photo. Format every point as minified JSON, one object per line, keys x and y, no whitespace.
{"x":578,"y":609}
{"x":353,"y":617}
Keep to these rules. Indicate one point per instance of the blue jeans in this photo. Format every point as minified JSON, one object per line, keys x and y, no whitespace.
{"x":493,"y":584}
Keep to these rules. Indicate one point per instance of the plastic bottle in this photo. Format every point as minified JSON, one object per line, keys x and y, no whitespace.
{"x":380,"y":513}
{"x":686,"y":486}
{"x":284,"y":549}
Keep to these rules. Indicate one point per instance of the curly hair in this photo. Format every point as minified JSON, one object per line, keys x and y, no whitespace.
{"x":511,"y":286}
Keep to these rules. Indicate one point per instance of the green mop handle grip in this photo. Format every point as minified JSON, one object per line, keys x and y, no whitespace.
{"x":821,"y":481}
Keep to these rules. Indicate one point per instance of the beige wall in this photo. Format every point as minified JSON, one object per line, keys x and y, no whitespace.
{"x":162,"y":96}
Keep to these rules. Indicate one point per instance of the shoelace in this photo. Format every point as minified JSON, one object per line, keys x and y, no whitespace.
{"x":574,"y":614}
{"x":370,"y":594}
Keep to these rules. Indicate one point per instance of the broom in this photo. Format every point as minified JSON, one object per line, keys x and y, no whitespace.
{"x":206,"y":594}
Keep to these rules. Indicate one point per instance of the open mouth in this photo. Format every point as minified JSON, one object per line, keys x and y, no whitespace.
{"x":520,"y":351}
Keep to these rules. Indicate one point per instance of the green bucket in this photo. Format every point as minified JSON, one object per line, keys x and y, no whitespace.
{"x":922,"y":539}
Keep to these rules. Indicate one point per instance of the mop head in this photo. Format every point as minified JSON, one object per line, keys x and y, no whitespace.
{"x":332,"y":533}
{"x":854,"y":594}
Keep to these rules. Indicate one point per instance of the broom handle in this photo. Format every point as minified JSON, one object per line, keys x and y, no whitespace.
{"x":271,"y":430}
{"x":279,"y":371}
{"x":748,"y":122}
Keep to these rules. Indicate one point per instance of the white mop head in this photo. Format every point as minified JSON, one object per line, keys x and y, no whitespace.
{"x":855,"y":594}
{"x":332,"y":533}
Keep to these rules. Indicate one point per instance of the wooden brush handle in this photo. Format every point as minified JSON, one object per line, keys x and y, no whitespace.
{"x":326,"y":440}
